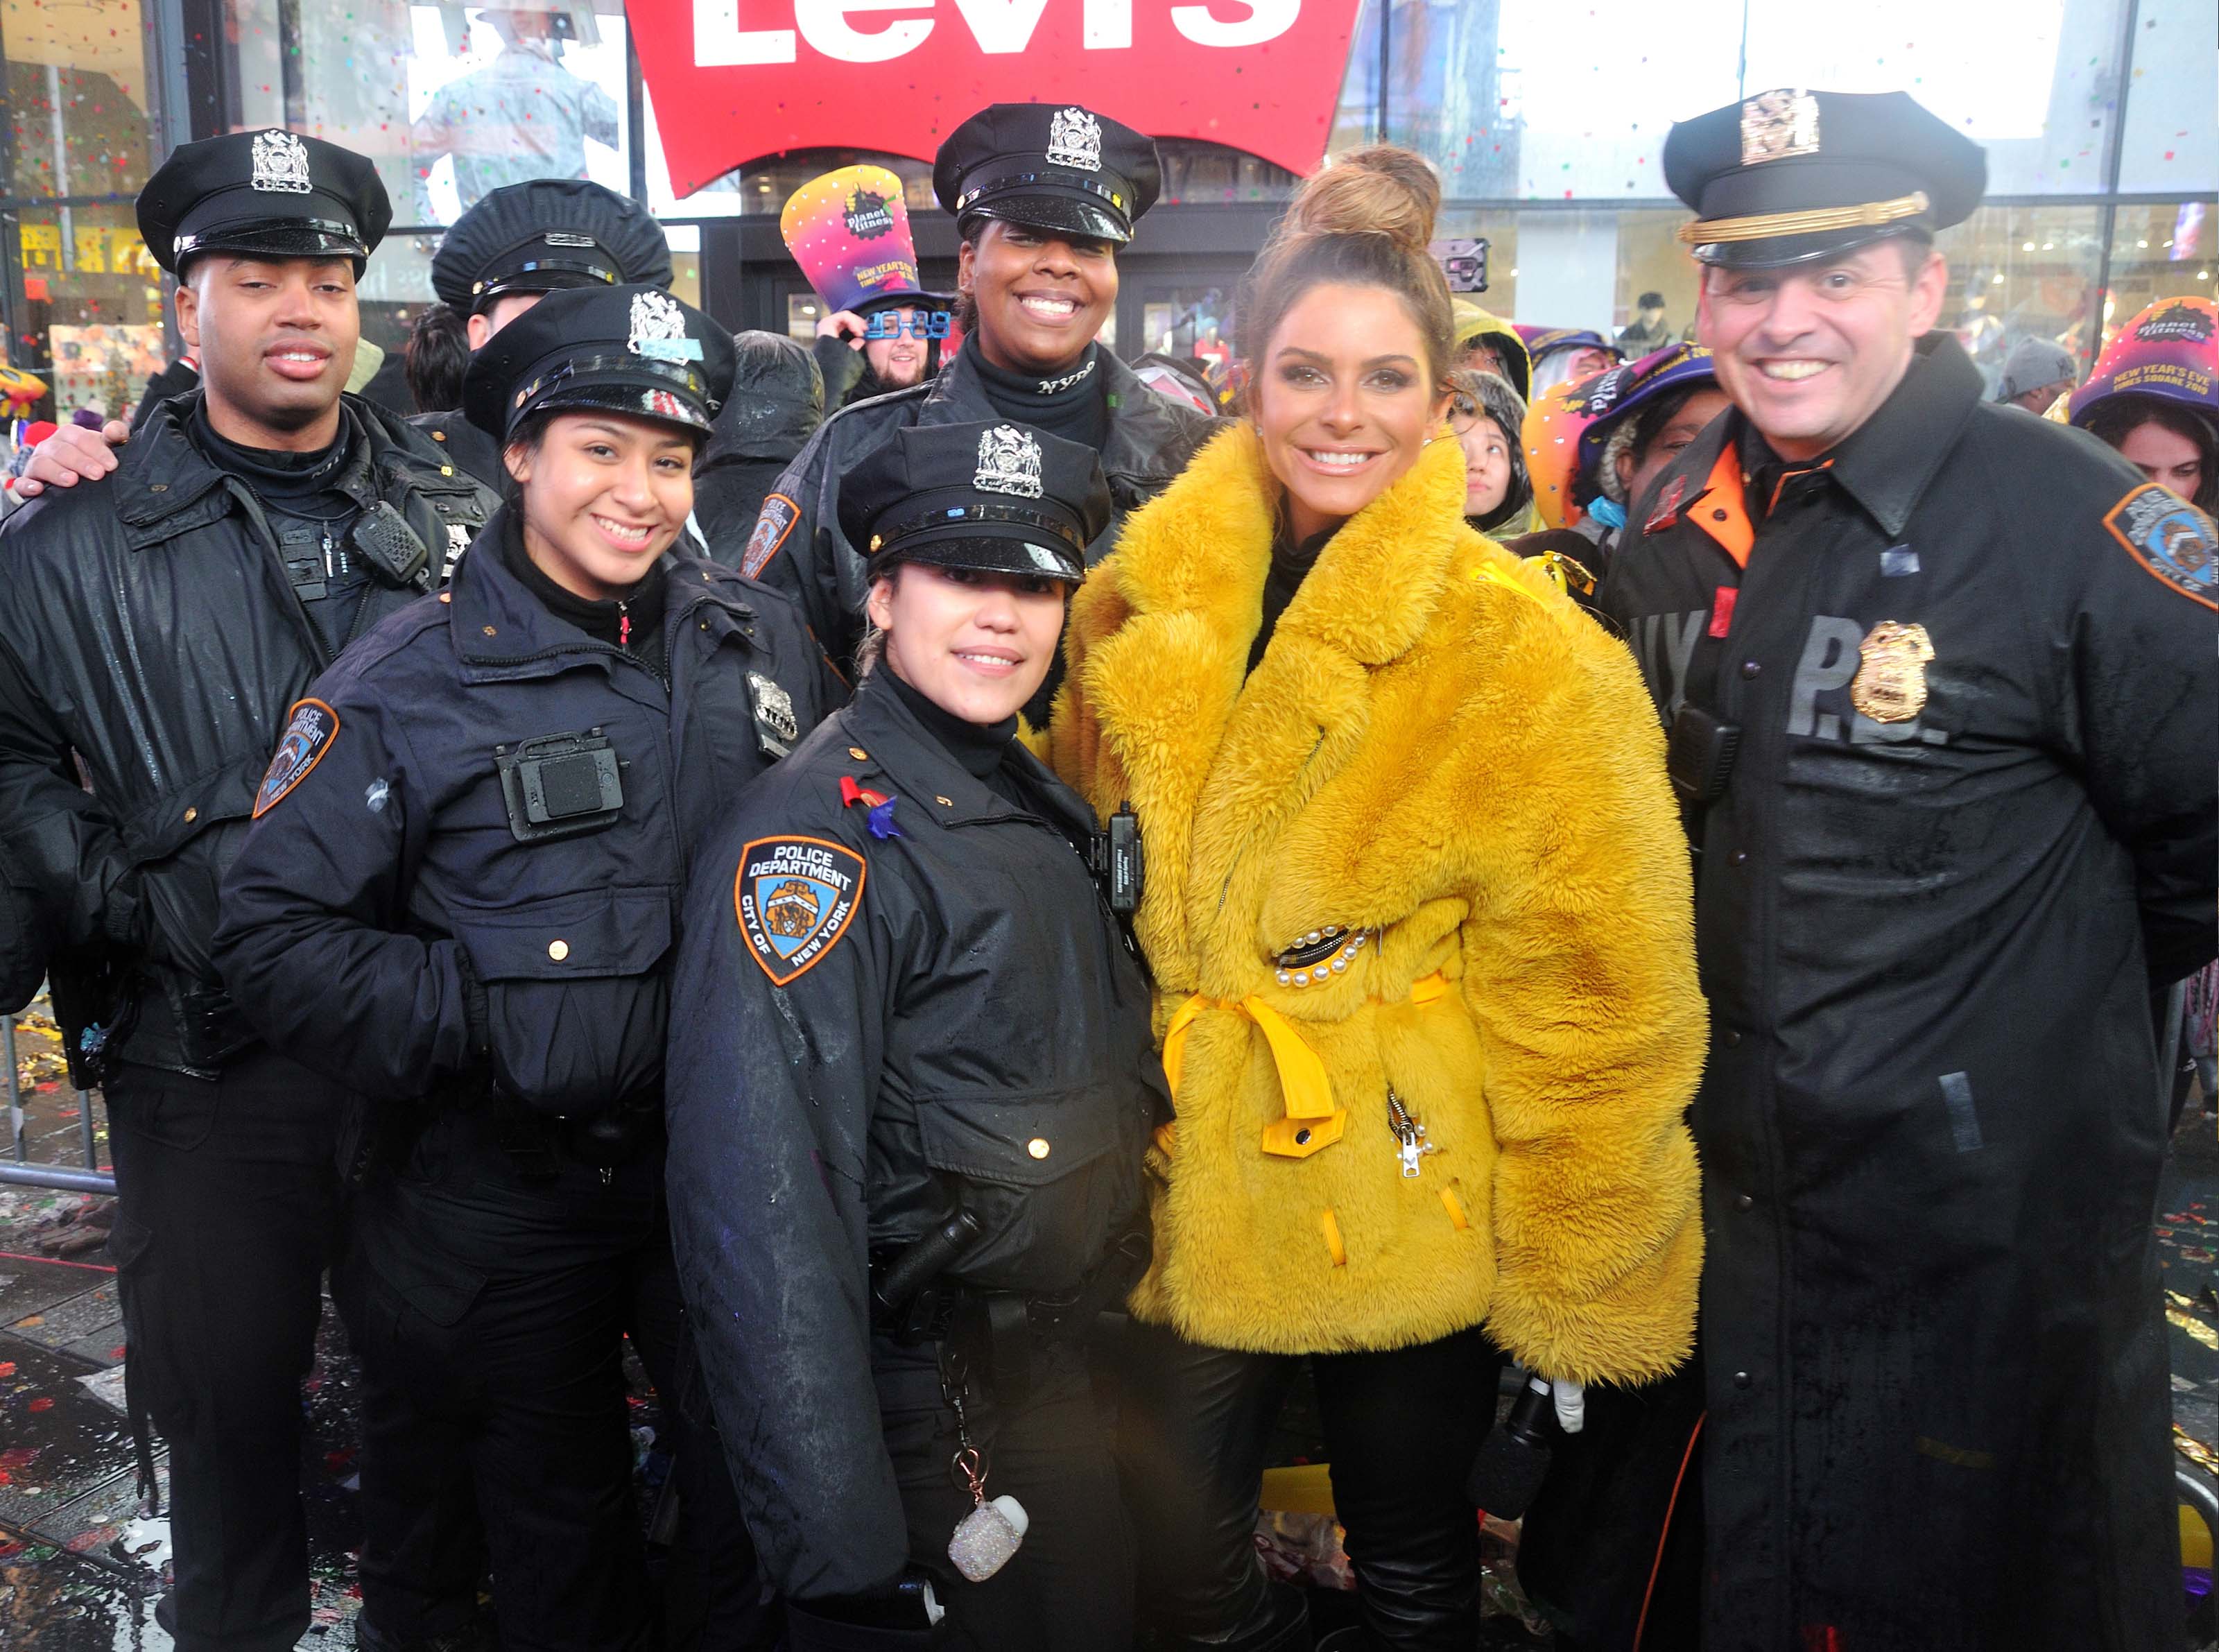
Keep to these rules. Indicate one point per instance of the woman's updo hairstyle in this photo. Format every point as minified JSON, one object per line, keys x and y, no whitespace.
{"x":1365,"y":220}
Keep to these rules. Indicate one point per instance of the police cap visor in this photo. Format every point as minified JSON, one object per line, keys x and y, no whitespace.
{"x":1058,"y":215}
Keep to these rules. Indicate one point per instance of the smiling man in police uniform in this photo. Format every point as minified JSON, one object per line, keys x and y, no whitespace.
{"x":1945,"y":713}
{"x":154,"y":629}
{"x":519,"y":244}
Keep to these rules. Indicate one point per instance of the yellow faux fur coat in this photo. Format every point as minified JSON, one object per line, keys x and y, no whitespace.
{"x":1439,"y":754}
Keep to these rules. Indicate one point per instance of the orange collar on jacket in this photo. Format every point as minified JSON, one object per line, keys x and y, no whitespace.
{"x":1721,"y":510}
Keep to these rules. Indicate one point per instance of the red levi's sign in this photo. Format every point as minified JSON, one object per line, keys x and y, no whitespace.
{"x":735,"y":80}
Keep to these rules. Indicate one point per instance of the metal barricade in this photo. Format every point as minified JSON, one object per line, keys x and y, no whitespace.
{"x":19,"y":1171}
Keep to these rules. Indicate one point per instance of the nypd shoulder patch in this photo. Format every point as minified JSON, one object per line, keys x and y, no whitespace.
{"x":795,"y":898}
{"x":2171,"y":538}
{"x":309,"y":731}
{"x":779,"y":515}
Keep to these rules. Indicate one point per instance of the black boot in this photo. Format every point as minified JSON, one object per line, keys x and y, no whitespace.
{"x":368,"y":1637}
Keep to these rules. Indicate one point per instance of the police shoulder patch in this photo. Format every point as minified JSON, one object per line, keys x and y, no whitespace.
{"x":795,"y":898}
{"x":309,"y":731}
{"x":779,"y":515}
{"x":2171,"y":538}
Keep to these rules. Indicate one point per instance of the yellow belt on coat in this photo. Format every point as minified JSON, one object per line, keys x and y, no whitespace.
{"x":1312,"y":1122}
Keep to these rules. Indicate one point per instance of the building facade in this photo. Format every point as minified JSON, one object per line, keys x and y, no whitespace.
{"x":2101,"y":119}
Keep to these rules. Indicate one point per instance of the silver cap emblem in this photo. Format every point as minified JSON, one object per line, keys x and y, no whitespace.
{"x":1074,"y":140}
{"x":1008,"y":463}
{"x":1777,"y":124}
{"x":658,"y":329}
{"x":281,"y":164}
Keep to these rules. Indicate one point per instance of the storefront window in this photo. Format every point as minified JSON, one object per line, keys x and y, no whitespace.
{"x":2036,"y":82}
{"x":90,"y":320}
{"x":78,"y":113}
{"x":2172,"y":138}
{"x":1197,"y":173}
{"x":1575,"y":268}
{"x":2019,"y":272}
{"x":452,"y":103}
{"x":1547,"y":130}
{"x":760,"y":189}
{"x":2164,"y":251}
{"x":1508,"y":100}
{"x":1194,"y":321}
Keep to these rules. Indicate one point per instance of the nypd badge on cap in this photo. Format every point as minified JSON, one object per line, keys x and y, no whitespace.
{"x":1057,"y":167}
{"x":543,"y":235}
{"x":997,"y":497}
{"x":633,"y":350}
{"x":1792,"y":175}
{"x":271,"y":194}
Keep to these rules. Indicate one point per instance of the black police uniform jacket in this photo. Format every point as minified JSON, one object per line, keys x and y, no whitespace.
{"x":1930,"y":1125}
{"x":149,"y":632}
{"x":384,"y":923}
{"x":466,"y":447}
{"x":943,"y":1015}
{"x":798,"y":546}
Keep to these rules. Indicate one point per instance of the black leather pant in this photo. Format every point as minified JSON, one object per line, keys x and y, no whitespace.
{"x":1400,"y":1430}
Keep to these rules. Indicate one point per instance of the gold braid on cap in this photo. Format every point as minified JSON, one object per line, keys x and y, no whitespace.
{"x":1765,"y":226}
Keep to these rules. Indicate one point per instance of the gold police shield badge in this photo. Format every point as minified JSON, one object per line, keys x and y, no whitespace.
{"x":1891,"y":683}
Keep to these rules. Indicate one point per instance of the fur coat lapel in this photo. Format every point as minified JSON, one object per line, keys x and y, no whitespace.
{"x":1194,"y":740}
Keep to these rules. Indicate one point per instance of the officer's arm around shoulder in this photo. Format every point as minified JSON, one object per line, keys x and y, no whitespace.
{"x":1579,"y":970}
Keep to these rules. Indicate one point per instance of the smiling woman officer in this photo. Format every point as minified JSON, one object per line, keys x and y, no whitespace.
{"x":910,"y":1088}
{"x":458,"y":898}
{"x":1043,"y":197}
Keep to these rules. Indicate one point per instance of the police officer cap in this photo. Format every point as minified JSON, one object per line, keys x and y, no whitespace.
{"x":1002,"y":498}
{"x":271,"y":194}
{"x":632,"y":350}
{"x":1055,"y":167}
{"x":544,"y":235}
{"x":1790,"y":175}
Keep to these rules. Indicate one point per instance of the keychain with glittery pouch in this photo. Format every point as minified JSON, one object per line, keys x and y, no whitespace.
{"x":986,"y":1538}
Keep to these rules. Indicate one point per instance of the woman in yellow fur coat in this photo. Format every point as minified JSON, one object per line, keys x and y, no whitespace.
{"x":1417,"y":910}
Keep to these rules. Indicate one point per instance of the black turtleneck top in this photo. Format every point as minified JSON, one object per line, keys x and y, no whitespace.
{"x":1073,"y":405}
{"x":286,"y":479}
{"x":1290,"y":564}
{"x":632,"y":620}
{"x":300,"y":497}
{"x":979,"y":748}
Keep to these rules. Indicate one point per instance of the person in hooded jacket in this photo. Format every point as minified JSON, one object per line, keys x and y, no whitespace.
{"x":1485,"y":343}
{"x":1595,"y":445}
{"x":1485,"y":415}
{"x":776,"y":405}
{"x":458,"y":898}
{"x":1043,"y":196}
{"x":910,"y":1088}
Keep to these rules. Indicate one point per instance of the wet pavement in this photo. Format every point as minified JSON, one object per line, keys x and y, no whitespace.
{"x":80,"y":1571}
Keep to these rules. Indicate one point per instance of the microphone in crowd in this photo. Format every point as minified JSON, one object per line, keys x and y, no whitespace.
{"x":1513,"y":1461}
